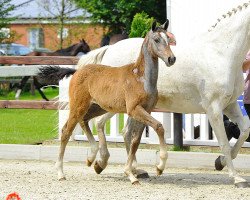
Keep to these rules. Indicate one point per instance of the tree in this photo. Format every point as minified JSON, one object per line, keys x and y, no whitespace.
{"x":141,"y":24}
{"x":60,"y":10}
{"x":118,"y":14}
{"x":5,"y":12}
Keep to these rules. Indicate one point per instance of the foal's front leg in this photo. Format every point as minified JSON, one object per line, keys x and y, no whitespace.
{"x":140,"y":114}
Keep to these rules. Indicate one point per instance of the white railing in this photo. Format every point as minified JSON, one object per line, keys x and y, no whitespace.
{"x":114,"y":132}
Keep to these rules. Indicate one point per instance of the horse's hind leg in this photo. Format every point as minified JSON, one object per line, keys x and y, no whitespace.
{"x":91,"y":139}
{"x":101,"y":164}
{"x":215,"y":116}
{"x":78,"y":108}
{"x":234,"y":113}
{"x":94,"y":111}
{"x":66,"y":133}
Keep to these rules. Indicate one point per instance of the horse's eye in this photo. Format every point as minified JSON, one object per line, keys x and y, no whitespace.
{"x":157,"y":40}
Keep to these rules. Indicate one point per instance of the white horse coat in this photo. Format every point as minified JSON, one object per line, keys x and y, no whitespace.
{"x":206,"y":78}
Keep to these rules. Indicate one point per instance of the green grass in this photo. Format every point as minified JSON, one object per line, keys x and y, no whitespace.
{"x":49,"y":92}
{"x":28,"y":126}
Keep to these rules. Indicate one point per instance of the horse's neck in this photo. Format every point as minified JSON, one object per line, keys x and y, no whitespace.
{"x":231,"y":36}
{"x":75,"y":50}
{"x":67,"y":51}
{"x":226,"y":46}
{"x":147,"y":66}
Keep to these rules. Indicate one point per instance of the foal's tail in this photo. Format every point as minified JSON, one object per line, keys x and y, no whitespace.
{"x":52,"y":74}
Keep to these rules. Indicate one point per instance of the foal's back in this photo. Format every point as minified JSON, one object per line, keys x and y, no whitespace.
{"x":104,"y":84}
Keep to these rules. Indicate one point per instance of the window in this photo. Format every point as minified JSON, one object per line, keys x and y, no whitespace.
{"x":36,"y":38}
{"x":65,"y":33}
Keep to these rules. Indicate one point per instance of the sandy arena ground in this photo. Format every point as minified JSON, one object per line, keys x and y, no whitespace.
{"x":38,"y":180}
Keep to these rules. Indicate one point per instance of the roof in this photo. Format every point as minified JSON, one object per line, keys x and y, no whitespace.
{"x":44,"y":9}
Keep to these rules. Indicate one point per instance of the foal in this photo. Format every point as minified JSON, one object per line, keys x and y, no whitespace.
{"x":130,"y":89}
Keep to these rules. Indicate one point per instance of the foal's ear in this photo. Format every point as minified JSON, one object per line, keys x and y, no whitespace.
{"x":165,"y":25}
{"x":153,"y":26}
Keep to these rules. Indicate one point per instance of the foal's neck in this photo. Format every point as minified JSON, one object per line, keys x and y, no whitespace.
{"x":147,"y":65}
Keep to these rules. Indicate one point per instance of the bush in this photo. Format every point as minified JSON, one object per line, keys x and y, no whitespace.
{"x":141,"y":24}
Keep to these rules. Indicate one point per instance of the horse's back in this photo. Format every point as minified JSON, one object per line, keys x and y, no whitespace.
{"x":123,"y":52}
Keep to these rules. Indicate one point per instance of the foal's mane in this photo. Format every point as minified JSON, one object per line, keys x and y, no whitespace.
{"x":230,"y":13}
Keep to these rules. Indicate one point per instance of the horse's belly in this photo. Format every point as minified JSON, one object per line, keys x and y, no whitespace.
{"x":179,"y":104}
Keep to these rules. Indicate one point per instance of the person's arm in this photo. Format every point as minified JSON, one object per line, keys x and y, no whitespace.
{"x":246,"y":65}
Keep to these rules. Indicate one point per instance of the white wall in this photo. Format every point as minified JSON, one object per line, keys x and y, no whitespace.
{"x":190,"y":17}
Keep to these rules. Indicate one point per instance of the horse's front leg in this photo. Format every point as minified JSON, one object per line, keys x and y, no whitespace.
{"x":141,"y":115}
{"x":215,"y":116}
{"x":127,"y":132}
{"x":21,"y":86}
{"x":137,"y":128}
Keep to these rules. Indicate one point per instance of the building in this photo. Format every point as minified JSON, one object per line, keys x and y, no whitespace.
{"x":38,"y":24}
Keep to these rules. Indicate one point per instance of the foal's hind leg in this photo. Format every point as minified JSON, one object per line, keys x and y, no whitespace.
{"x":66,"y":133}
{"x":78,"y":108}
{"x":91,"y":139}
{"x":94,"y":111}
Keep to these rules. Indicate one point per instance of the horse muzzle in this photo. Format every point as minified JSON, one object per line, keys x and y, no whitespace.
{"x":171,"y":60}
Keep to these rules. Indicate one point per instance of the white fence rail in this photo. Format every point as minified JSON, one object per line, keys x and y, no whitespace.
{"x":116,"y":124}
{"x":114,"y":132}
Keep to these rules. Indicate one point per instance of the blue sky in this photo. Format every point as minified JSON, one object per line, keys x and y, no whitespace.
{"x":43,"y":8}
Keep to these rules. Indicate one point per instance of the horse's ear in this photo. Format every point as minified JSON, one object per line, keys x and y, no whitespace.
{"x":153,"y":27}
{"x":165,"y":25}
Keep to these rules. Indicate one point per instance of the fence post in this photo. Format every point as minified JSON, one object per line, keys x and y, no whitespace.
{"x":178,"y":136}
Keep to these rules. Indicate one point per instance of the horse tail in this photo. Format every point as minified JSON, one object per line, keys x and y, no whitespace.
{"x":52,"y":74}
{"x":93,"y":57}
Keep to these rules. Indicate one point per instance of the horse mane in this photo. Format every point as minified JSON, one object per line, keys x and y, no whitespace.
{"x":230,"y":13}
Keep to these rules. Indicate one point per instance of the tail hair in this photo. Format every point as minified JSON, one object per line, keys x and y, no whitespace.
{"x":52,"y":74}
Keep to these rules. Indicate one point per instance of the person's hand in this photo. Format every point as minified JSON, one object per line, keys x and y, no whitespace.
{"x":246,"y":65}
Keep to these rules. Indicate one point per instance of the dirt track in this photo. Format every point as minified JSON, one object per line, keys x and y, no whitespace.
{"x":38,"y":180}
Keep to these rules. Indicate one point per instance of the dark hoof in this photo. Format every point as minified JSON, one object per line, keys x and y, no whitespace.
{"x":62,"y":179}
{"x":218,"y":165}
{"x":158,"y":171}
{"x":88,"y":163}
{"x":143,"y":175}
{"x":242,"y":185}
{"x":136,"y":183}
{"x":97,"y":168}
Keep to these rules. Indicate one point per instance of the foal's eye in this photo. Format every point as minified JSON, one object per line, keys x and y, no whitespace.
{"x":157,"y":40}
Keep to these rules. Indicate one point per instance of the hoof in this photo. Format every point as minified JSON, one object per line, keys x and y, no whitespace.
{"x":159,"y":171}
{"x":136,"y":183}
{"x":88,"y":163}
{"x":62,"y":179}
{"x":218,"y":165}
{"x":97,"y":168}
{"x":143,"y":175}
{"x":242,"y":185}
{"x":139,"y":173}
